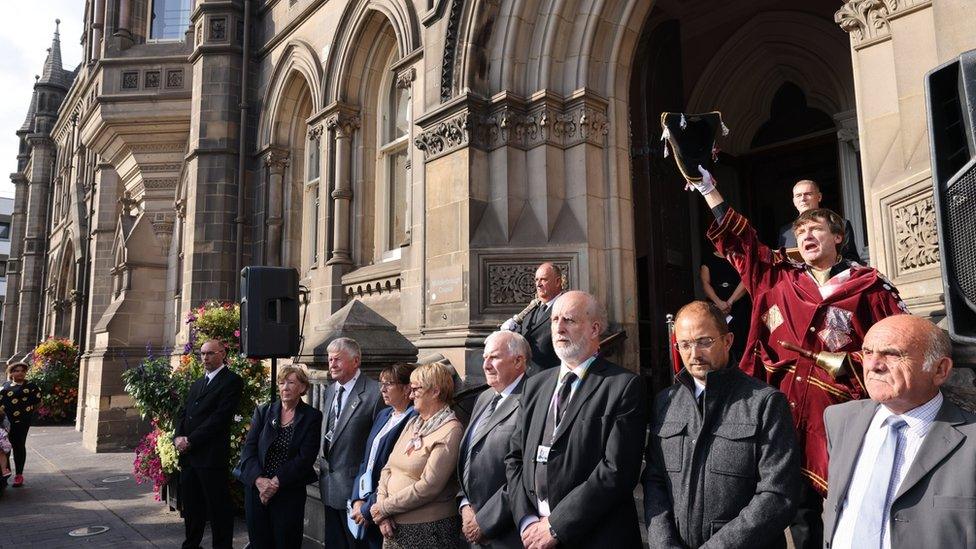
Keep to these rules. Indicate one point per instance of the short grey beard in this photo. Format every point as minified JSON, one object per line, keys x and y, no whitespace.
{"x":571,"y":352}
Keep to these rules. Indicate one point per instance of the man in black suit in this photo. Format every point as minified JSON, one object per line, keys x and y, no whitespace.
{"x":202,"y":439}
{"x":575,"y":454}
{"x":350,"y":405}
{"x":485,"y":513}
{"x":533,"y":323}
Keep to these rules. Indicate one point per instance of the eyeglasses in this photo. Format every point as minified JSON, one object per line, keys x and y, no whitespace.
{"x":702,"y":343}
{"x":388,"y":384}
{"x":414,"y":390}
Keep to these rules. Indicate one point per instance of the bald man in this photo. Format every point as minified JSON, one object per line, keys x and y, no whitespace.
{"x":902,"y":464}
{"x":807,"y":196}
{"x":533,"y":322}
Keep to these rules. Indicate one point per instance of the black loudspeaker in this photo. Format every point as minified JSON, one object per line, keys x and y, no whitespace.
{"x":950,"y":90}
{"x":269,"y":312}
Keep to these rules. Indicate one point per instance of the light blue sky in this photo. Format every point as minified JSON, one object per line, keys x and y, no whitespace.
{"x":25,"y":35}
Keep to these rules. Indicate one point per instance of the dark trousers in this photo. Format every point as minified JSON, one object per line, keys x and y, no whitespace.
{"x":205,"y":496}
{"x":337,"y":534}
{"x":280,"y":523}
{"x":18,"y":440}
{"x":807,"y":527}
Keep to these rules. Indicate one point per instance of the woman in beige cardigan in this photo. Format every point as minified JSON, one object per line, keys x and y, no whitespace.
{"x":416,"y":505}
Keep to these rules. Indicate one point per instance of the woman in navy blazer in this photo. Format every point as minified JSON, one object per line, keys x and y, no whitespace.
{"x":395,"y":386}
{"x":276,"y":464}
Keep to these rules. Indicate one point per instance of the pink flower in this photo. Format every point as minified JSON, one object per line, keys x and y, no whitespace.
{"x":237,"y":333}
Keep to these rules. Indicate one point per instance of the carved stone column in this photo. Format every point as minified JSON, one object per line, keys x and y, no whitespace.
{"x":343,"y":125}
{"x":848,"y":148}
{"x":276,"y":161}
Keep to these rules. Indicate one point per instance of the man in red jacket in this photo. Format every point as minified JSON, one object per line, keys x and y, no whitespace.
{"x":824,"y":304}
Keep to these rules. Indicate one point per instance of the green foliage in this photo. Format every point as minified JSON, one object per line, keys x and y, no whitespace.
{"x":54,"y":369}
{"x":159,"y":389}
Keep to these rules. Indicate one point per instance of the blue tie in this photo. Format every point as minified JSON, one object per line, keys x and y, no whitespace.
{"x":869,"y":528}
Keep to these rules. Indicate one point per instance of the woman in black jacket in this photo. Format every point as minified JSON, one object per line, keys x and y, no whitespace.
{"x":276,"y":464}
{"x":19,"y":398}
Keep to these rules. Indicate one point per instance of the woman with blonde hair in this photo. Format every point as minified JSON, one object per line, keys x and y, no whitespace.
{"x":416,"y":503}
{"x":276,"y":463}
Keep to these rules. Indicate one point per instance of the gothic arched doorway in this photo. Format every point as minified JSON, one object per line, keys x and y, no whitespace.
{"x":783,"y":82}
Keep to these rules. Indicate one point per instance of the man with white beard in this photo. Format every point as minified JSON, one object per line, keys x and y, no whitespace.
{"x":575,"y":454}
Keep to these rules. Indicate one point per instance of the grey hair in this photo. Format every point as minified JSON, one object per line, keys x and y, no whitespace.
{"x":595,"y":311}
{"x":515,"y":344}
{"x":345,"y":344}
{"x":937,"y":347}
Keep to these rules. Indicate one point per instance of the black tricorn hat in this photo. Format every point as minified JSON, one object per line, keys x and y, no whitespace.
{"x":692,"y":139}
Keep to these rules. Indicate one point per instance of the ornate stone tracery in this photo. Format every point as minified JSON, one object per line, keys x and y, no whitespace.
{"x":916,"y":235}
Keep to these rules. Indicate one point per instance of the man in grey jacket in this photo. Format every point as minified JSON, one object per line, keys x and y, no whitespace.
{"x":723,"y":466}
{"x":349,"y":407}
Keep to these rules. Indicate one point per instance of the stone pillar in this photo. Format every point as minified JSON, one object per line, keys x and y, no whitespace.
{"x":277,"y":162}
{"x":11,"y":305}
{"x":97,"y":30}
{"x":848,"y":148}
{"x":125,"y":19}
{"x":343,"y":125}
{"x":106,"y":189}
{"x":209,"y":269}
{"x":35,"y":244}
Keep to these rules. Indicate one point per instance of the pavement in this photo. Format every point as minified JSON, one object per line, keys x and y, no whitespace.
{"x":65,"y":489}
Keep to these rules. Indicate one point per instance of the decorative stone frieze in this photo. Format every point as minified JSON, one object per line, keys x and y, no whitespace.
{"x":514,"y":122}
{"x":868,"y":21}
{"x":508,"y":283}
{"x":445,"y":136}
{"x":916,"y":235}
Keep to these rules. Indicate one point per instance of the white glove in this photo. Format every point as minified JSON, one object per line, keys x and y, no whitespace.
{"x":706,"y":185}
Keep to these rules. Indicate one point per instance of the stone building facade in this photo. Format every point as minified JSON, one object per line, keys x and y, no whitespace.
{"x":423,"y":156}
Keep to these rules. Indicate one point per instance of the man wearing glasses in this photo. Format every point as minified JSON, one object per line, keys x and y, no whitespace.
{"x":203,"y":442}
{"x":722,"y":462}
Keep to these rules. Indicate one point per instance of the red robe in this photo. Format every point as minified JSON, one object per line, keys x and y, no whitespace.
{"x":787,"y":304}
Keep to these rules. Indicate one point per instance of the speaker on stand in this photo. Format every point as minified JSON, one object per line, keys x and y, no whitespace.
{"x":269,"y":314}
{"x":950,"y":91}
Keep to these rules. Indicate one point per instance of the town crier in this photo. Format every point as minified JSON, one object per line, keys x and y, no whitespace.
{"x":806,"y":328}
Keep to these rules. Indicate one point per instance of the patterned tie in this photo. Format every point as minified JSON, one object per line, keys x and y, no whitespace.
{"x":339,"y":404}
{"x":483,"y":424}
{"x":562,"y":399}
{"x":869,"y":528}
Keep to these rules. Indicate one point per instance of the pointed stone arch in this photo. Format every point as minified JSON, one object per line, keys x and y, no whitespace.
{"x":366,"y":18}
{"x":772,"y":49}
{"x":298,"y":59}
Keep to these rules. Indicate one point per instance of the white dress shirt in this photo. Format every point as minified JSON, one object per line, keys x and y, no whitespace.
{"x":213,"y":374}
{"x":919,"y":422}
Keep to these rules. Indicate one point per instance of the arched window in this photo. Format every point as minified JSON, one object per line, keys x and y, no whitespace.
{"x":393,"y":137}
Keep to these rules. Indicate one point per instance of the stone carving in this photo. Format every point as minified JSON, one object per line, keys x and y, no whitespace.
{"x":315,"y":132}
{"x":174,"y":79}
{"x":343,"y":124}
{"x":916,"y":237}
{"x":159,"y":184}
{"x":868,"y":20}
{"x":276,"y":159}
{"x":152,"y":79}
{"x":444,"y":137}
{"x":511,"y":126}
{"x":451,"y":40}
{"x":513,"y":284}
{"x":405,"y":79}
{"x":218,"y":29}
{"x":130,"y":80}
{"x":162,"y":226}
